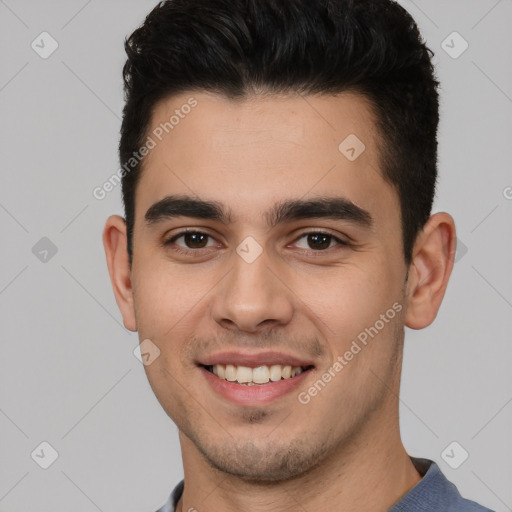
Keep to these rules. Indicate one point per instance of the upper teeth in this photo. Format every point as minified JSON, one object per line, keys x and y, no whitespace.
{"x":259,"y":375}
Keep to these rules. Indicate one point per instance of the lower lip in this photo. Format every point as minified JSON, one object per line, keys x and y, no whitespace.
{"x":253,"y":395}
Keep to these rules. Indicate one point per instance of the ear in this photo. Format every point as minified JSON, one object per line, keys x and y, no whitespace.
{"x":431,"y":266}
{"x":114,"y":242}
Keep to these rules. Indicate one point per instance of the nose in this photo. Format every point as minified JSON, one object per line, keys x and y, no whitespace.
{"x":253,"y":297}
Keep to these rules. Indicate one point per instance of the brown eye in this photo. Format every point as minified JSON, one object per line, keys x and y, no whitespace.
{"x":318,"y":241}
{"x":195,"y":240}
{"x":191,"y":240}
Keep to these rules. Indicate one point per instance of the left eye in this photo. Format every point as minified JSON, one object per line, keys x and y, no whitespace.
{"x":320,"y":241}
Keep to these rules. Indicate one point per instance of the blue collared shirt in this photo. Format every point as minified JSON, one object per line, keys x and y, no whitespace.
{"x":433,"y":493}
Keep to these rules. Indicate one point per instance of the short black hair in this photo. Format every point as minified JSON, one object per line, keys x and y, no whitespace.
{"x":238,"y":47}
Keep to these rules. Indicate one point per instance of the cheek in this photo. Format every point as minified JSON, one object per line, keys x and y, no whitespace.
{"x":164,"y":295}
{"x":345,"y":300}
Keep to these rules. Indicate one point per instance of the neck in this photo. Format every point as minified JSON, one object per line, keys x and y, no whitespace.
{"x":369,"y":472}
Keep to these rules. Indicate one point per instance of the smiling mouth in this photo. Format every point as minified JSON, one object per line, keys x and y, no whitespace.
{"x":259,"y":375}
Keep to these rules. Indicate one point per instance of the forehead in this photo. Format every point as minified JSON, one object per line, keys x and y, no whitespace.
{"x":249,"y":153}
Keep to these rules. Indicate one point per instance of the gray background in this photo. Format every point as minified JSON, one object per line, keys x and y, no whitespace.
{"x":68,"y":373}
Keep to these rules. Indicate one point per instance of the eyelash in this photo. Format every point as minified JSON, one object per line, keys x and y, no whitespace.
{"x":195,"y":252}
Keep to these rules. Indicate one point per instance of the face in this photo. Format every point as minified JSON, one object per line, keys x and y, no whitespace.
{"x":296,"y":260}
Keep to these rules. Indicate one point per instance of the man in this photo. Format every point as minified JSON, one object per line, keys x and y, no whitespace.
{"x":279,"y":169}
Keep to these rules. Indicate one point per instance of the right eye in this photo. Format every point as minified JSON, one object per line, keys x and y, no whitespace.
{"x":193,"y":241}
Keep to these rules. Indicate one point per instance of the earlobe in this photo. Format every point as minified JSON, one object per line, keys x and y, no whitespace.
{"x":431,"y":266}
{"x":114,"y":242}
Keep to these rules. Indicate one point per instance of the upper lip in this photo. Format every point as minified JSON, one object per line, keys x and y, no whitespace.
{"x":268,"y":358}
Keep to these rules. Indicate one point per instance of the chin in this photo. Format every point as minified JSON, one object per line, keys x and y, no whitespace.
{"x":264,"y":464}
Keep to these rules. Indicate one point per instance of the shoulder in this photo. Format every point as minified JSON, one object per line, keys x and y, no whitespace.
{"x":172,"y":500}
{"x":434,"y":493}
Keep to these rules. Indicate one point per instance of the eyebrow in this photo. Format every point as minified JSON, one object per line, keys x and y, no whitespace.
{"x":335,"y":208}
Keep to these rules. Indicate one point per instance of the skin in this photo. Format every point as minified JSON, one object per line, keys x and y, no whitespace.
{"x":341,"y":451}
